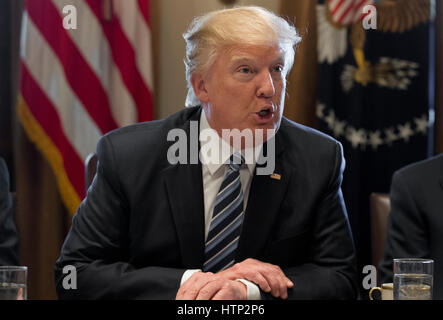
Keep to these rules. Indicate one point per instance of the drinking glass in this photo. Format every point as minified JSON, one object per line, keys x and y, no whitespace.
{"x":13,"y":282}
{"x":413,"y":279}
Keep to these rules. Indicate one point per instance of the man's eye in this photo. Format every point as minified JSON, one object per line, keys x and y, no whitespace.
{"x":278,"y":68}
{"x":245,"y":70}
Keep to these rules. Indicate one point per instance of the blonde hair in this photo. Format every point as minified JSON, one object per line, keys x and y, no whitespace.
{"x":209,"y":34}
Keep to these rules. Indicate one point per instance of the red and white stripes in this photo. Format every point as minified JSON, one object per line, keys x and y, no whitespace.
{"x":79,"y":84}
{"x":346,"y":12}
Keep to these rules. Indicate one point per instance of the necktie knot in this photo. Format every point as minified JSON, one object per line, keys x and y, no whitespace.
{"x":236,"y":161}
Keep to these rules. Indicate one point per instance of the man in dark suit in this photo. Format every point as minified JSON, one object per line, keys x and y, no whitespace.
{"x":415,"y":223}
{"x":8,"y":231}
{"x":160,"y":225}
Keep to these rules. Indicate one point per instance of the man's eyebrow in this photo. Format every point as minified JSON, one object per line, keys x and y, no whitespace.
{"x":237,"y":59}
{"x":240,"y":59}
{"x":279,"y":59}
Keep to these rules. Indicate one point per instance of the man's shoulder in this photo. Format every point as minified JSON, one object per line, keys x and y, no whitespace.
{"x":154,"y":130}
{"x":145,"y":141}
{"x":305,"y":136}
{"x":424,"y":170}
{"x":307,"y":147}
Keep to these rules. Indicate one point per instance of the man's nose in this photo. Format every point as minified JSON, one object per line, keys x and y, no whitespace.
{"x":265,"y":85}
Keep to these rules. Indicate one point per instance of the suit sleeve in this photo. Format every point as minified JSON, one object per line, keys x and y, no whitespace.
{"x":330,"y":272}
{"x":97,"y":246}
{"x":406,"y":236}
{"x":8,"y":230}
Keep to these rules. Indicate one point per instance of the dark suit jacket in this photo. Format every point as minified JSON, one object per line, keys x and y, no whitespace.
{"x":8,"y":231}
{"x":142,"y":222}
{"x":415,"y":223}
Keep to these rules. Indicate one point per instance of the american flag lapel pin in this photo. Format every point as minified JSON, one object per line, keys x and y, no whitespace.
{"x":275,"y":176}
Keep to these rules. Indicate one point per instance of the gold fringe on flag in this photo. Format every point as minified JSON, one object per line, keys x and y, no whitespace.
{"x":44,"y":144}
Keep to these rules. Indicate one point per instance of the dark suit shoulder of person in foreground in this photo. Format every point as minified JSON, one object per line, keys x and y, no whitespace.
{"x":8,"y":230}
{"x":415,"y":223}
{"x":161,"y":222}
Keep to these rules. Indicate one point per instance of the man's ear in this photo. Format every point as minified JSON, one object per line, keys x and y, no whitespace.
{"x":199,"y":86}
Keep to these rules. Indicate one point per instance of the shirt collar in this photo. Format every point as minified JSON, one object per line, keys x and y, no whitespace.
{"x":224,"y":149}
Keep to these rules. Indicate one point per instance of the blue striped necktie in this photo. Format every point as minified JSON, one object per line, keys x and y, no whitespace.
{"x":227,"y":218}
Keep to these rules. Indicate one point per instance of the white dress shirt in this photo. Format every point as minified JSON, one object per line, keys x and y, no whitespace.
{"x":213,"y":172}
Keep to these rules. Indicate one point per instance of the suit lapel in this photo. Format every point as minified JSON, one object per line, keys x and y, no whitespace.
{"x":185,"y":192}
{"x":184,"y":188}
{"x":265,"y":197}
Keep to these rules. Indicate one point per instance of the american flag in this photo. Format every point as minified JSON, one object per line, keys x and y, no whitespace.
{"x":78,"y":84}
{"x":347,"y":12}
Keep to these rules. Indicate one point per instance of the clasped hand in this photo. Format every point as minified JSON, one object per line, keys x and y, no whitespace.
{"x":224,"y":286}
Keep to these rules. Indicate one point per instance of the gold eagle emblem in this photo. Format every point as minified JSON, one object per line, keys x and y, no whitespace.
{"x":396,"y":16}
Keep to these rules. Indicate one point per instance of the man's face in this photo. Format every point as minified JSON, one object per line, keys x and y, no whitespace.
{"x":244,"y":89}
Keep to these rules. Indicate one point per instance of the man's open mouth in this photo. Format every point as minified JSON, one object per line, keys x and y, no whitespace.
{"x":264,"y":112}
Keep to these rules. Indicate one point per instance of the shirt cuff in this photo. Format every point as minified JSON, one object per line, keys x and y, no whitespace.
{"x":252,"y":289}
{"x":187,"y":274}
